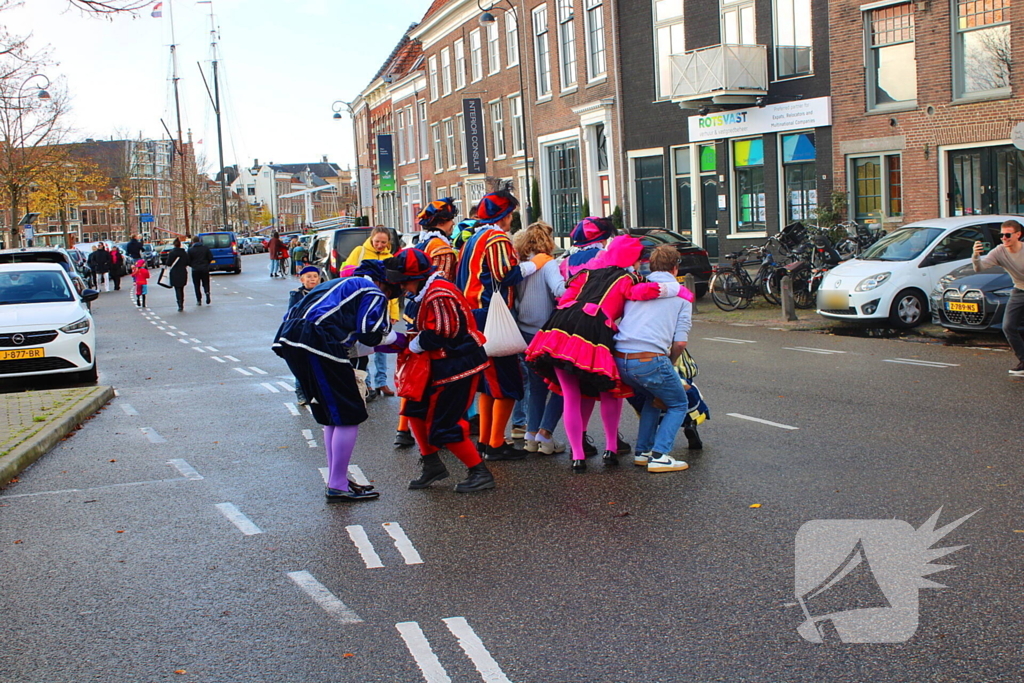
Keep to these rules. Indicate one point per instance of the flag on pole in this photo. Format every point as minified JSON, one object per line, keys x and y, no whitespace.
{"x":157,"y":10}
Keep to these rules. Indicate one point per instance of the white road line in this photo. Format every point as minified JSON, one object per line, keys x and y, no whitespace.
{"x":128,"y":410}
{"x":764,"y":422}
{"x":183,"y":341}
{"x":172,"y":327}
{"x":243,"y":371}
{"x":924,"y":363}
{"x":160,"y":328}
{"x":811,"y":349}
{"x":292,"y":408}
{"x":233,"y":359}
{"x":211,"y":349}
{"x":270,"y":387}
{"x":268,"y":304}
{"x":363,"y":545}
{"x":236,"y":517}
{"x":323,"y":473}
{"x":474,"y":648}
{"x":151,"y":434}
{"x":257,"y":370}
{"x":170,"y":334}
{"x":219,"y":360}
{"x":742,"y":324}
{"x":186,"y":470}
{"x":402,"y":543}
{"x":196,"y":341}
{"x":248,"y":297}
{"x":356,"y":475}
{"x":286,"y":386}
{"x":183,"y":334}
{"x":306,"y":433}
{"x":730,"y":341}
{"x":153,"y":322}
{"x":325,"y":598}
{"x":420,"y":650}
{"x":196,"y":348}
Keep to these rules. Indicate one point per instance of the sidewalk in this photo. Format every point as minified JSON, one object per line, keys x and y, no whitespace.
{"x":33,"y":422}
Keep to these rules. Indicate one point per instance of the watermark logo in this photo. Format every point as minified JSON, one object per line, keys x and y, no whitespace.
{"x":857,"y":580}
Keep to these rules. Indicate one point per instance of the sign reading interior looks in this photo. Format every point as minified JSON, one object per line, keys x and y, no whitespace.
{"x":796,"y":115}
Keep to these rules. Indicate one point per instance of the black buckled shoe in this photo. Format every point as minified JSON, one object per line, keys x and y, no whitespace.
{"x":589,"y":449}
{"x":404,"y":439}
{"x":623,"y":447}
{"x":336,"y":496}
{"x":433,"y":470}
{"x":479,"y":479}
{"x":579,"y":466}
{"x":610,"y":459}
{"x":352,"y":486}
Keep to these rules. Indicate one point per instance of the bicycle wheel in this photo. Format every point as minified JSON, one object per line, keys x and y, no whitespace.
{"x":771,"y":287}
{"x":803,"y":297}
{"x":727,"y":290}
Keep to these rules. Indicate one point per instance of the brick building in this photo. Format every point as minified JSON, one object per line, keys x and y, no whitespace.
{"x":924,"y":106}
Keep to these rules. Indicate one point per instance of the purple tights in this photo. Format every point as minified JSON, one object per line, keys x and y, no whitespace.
{"x":339,"y":442}
{"x":577,"y":412}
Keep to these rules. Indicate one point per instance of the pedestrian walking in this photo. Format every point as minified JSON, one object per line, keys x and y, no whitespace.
{"x":1009,"y":255}
{"x":99,"y":261}
{"x":651,"y":336}
{"x":178,"y":272}
{"x":200,"y":259}
{"x":278,"y":253}
{"x":535,"y":302}
{"x":133,"y":250}
{"x":449,"y":344}
{"x":573,"y":350}
{"x":489,"y":267}
{"x":140,"y":276}
{"x":118,"y":267}
{"x":377,"y":247}
{"x":316,"y":340}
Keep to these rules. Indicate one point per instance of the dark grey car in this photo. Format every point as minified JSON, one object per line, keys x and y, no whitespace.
{"x":966,"y":301}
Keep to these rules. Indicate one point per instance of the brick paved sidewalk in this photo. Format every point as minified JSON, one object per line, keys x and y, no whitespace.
{"x":32,"y":422}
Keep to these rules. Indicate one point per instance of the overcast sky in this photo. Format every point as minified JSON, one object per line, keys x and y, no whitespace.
{"x":283,"y":63}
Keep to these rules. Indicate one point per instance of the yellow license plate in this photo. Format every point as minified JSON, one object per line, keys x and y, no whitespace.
{"x":21,"y":354}
{"x":835,"y":300}
{"x":961,"y":307}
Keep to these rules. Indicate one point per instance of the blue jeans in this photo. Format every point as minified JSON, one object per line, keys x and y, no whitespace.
{"x":519,"y":410}
{"x":380,"y":370}
{"x":656,"y":378}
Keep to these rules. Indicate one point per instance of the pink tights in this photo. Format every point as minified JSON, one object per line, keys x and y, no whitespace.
{"x":339,"y":443}
{"x":577,"y":412}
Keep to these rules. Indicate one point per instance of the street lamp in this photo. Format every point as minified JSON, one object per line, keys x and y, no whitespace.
{"x":337,"y":107}
{"x":19,"y":121}
{"x":486,"y":19}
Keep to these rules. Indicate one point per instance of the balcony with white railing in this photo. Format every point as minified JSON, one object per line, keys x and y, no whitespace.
{"x":722,"y":74}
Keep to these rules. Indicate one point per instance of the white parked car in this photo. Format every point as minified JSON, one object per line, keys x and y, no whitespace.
{"x":45,"y":326}
{"x":891,"y":280}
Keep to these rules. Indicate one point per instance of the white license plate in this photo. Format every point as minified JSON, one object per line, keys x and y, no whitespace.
{"x":835,"y":299}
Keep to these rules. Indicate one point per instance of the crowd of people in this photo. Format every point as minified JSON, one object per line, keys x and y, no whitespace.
{"x":497,"y":330}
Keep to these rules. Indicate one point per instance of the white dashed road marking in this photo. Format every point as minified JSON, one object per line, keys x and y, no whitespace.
{"x":243,"y":371}
{"x":170,"y":334}
{"x":286,"y":387}
{"x":363,"y":545}
{"x":128,"y":410}
{"x":236,"y":517}
{"x":402,"y":543}
{"x":211,"y":349}
{"x":730,"y":341}
{"x":925,"y":363}
{"x":183,"y":341}
{"x":257,"y":370}
{"x":186,"y":470}
{"x":271,"y":388}
{"x":292,"y":408}
{"x":475,"y":650}
{"x":325,"y":598}
{"x":219,"y":360}
{"x":160,"y":328}
{"x":233,"y":359}
{"x":356,"y":475}
{"x":196,"y":348}
{"x":811,"y":349}
{"x":196,"y":341}
{"x":152,"y":435}
{"x":420,"y":650}
{"x":764,"y":422}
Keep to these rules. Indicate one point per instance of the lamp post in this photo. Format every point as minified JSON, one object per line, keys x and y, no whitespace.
{"x":486,"y":19}
{"x":347,"y":106}
{"x":17,"y":168}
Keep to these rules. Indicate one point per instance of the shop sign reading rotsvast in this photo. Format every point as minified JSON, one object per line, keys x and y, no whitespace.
{"x":772,"y":118}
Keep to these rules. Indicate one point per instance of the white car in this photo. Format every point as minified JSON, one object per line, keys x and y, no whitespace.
{"x":45,"y":326}
{"x":891,"y":280}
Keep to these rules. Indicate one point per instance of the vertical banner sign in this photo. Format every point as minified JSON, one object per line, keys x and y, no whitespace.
{"x":385,"y":163}
{"x":365,"y":188}
{"x":475,"y":152}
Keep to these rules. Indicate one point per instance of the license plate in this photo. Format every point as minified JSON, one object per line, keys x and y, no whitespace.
{"x":961,"y":306}
{"x":21,"y":354}
{"x":833,"y":300}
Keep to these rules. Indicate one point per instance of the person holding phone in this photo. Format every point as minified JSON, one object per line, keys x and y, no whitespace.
{"x":1009,"y":255}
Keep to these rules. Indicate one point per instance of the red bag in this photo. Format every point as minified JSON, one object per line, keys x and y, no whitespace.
{"x":413,"y":375}
{"x":284,"y":253}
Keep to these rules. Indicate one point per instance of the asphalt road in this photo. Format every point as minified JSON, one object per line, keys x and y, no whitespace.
{"x":182,"y":534}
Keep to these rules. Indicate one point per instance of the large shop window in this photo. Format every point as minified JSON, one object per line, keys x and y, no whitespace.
{"x":564,"y":180}
{"x":982,"y":55}
{"x":877,"y":187}
{"x":892,"y":61}
{"x":792,"y":38}
{"x":748,"y":176}
{"x":799,"y":177}
{"x":986,"y":180}
{"x":649,"y":184}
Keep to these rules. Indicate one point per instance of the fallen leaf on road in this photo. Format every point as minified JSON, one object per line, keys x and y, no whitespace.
{"x":180,"y":671}
{"x":17,"y":542}
{"x":348,"y":654}
{"x":113,"y":460}
{"x":756,"y":505}
{"x":120,"y":531}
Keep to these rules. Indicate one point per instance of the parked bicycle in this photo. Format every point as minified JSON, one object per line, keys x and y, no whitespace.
{"x":733,"y":288}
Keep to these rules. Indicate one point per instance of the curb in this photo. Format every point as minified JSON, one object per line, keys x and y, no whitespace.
{"x":23,"y":455}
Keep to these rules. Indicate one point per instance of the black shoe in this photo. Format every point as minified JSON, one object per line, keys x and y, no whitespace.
{"x":180,"y":308}
{"x":479,"y":479}
{"x":589,"y":449}
{"x":474,"y":425}
{"x":404,"y":439}
{"x":504,"y":452}
{"x":623,"y":447}
{"x":199,"y":302}
{"x":481,"y":448}
{"x":610,"y":459}
{"x":352,"y":486}
{"x":371,"y":396}
{"x":693,"y":439}
{"x":207,"y":298}
{"x":336,"y":496}
{"x":433,"y":470}
{"x":579,"y":466}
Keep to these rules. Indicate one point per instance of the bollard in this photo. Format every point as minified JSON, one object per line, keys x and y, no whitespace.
{"x":788,"y":305}
{"x":691,"y":285}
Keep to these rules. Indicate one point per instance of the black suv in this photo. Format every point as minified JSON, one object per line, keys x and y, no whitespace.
{"x":693,"y":259}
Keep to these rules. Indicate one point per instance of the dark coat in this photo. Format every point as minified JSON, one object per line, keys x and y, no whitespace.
{"x":177,"y":259}
{"x":133,"y":249}
{"x":99,"y":261}
{"x":200,"y":257}
{"x":118,"y":266}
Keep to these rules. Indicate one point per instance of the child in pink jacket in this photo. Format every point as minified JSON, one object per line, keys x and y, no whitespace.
{"x":141,"y":277}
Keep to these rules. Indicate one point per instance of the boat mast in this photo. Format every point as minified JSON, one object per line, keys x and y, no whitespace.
{"x":180,"y":149}
{"x":216,"y":110}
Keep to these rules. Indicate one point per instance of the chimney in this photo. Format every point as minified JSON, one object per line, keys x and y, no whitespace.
{"x":325,"y":159}
{"x":255,"y":163}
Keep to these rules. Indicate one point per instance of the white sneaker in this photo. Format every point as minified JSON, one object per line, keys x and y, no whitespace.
{"x":518,"y":432}
{"x":532,"y":445}
{"x":640,"y":459}
{"x":550,"y":447}
{"x":657,"y":462}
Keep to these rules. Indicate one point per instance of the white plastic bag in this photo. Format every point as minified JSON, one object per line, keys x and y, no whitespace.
{"x":502,"y":333}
